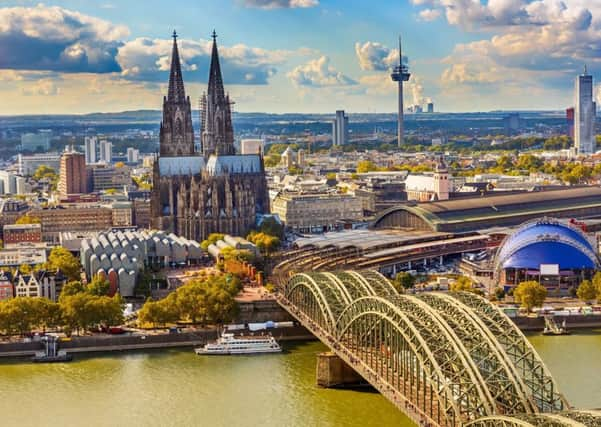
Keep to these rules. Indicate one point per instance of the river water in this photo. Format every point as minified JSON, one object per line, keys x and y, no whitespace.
{"x":179,"y":388}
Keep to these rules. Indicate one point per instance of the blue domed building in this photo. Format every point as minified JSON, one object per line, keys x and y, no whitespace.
{"x":548,"y":251}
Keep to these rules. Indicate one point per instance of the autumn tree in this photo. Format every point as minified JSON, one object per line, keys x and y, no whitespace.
{"x":530,"y":294}
{"x":463,"y":283}
{"x":27,"y":219}
{"x":61,"y":259}
{"x":403,"y":280}
{"x":586,"y":291}
{"x":98,"y":286}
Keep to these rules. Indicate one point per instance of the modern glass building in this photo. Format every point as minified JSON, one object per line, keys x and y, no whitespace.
{"x":584,"y":115}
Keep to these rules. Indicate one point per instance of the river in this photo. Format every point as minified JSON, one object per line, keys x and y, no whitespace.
{"x":179,"y":388}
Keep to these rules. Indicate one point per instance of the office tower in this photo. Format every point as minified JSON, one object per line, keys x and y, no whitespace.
{"x":73,"y":176}
{"x":133,"y":155}
{"x":90,"y":149}
{"x":584,"y":115}
{"x":400,"y":74}
{"x":512,"y":123}
{"x":340,"y":129}
{"x":106,"y":152}
{"x":570,"y":121}
{"x":430,"y":107}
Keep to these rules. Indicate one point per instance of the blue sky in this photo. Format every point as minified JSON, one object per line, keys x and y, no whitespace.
{"x":76,"y":56}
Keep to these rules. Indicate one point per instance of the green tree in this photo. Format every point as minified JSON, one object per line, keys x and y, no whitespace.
{"x":61,"y":259}
{"x":27,"y":219}
{"x":499,"y":293}
{"x":158,"y":313}
{"x":364,"y":166}
{"x":72,"y":288}
{"x":597,"y":283}
{"x":98,"y":286}
{"x":403,"y":280}
{"x":463,"y":283}
{"x":586,"y":291}
{"x":530,"y":294}
{"x":45,"y":172}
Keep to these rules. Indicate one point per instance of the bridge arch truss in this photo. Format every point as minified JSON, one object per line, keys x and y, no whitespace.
{"x":453,"y":358}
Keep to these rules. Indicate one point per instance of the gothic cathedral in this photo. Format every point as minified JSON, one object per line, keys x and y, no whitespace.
{"x":195,"y":194}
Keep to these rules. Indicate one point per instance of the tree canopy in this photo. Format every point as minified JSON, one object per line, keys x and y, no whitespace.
{"x":530,"y":294}
{"x":204,"y":299}
{"x":61,"y":259}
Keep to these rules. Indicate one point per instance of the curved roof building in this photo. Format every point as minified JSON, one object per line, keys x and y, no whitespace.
{"x":547,"y":242}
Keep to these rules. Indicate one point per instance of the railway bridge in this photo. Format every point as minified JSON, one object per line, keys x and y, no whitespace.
{"x":444,"y":359}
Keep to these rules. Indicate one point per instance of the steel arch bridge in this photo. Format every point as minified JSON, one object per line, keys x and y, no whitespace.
{"x":445,"y":359}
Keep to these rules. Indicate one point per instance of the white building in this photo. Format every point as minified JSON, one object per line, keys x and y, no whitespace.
{"x":251,"y":146}
{"x":90,"y":149}
{"x":11,"y":183}
{"x":340,"y":129}
{"x":29,"y":163}
{"x":106,"y":152}
{"x":429,"y":186}
{"x":133,"y":155}
{"x":584,"y":115}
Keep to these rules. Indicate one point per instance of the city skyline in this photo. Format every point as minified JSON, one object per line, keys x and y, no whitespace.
{"x":298,"y":55}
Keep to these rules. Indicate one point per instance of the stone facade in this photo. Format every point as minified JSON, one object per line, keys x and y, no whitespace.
{"x":197,"y":194}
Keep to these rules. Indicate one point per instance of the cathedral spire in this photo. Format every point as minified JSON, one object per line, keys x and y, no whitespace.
{"x":176,"y":82}
{"x":215,"y":80}
{"x":176,"y":135}
{"x":217,"y":133}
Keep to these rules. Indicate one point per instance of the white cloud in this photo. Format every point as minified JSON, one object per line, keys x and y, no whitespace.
{"x":319,"y":73}
{"x":428,"y":15}
{"x":280,"y":4}
{"x":376,"y":56}
{"x":57,"y":39}
{"x":149,"y":60}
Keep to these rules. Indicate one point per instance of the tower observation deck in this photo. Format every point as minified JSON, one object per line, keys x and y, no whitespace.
{"x":400,"y":74}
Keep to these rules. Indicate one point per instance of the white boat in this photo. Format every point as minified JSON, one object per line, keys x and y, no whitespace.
{"x":230,"y":344}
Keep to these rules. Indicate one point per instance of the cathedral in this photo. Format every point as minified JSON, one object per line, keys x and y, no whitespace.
{"x":212,"y":191}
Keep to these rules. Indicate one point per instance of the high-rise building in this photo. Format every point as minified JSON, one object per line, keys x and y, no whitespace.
{"x":512,"y":123}
{"x":430,"y":107}
{"x":584,"y":115}
{"x":73,"y":176}
{"x":106,"y":152}
{"x":11,"y":183}
{"x":340,"y":129}
{"x":133,"y":155}
{"x":90,"y":149}
{"x":570,"y":121}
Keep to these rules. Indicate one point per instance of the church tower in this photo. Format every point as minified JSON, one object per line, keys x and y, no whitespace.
{"x":217,"y":132}
{"x":176,"y":134}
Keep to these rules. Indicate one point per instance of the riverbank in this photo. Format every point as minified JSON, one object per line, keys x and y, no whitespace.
{"x":138,"y":341}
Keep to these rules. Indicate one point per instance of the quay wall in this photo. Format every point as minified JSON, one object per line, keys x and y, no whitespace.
{"x":105,"y":343}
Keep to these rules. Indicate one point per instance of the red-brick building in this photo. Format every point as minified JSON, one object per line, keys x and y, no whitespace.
{"x":22,"y":233}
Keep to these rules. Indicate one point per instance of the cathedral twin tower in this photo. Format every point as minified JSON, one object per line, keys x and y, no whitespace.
{"x":195,"y":194}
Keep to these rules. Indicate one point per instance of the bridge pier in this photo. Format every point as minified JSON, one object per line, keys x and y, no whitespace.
{"x":332,"y":371}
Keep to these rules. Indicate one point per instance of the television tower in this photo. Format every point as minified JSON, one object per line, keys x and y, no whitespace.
{"x":400,"y":74}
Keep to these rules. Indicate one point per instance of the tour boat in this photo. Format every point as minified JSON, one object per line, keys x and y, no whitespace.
{"x":229,"y":344}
